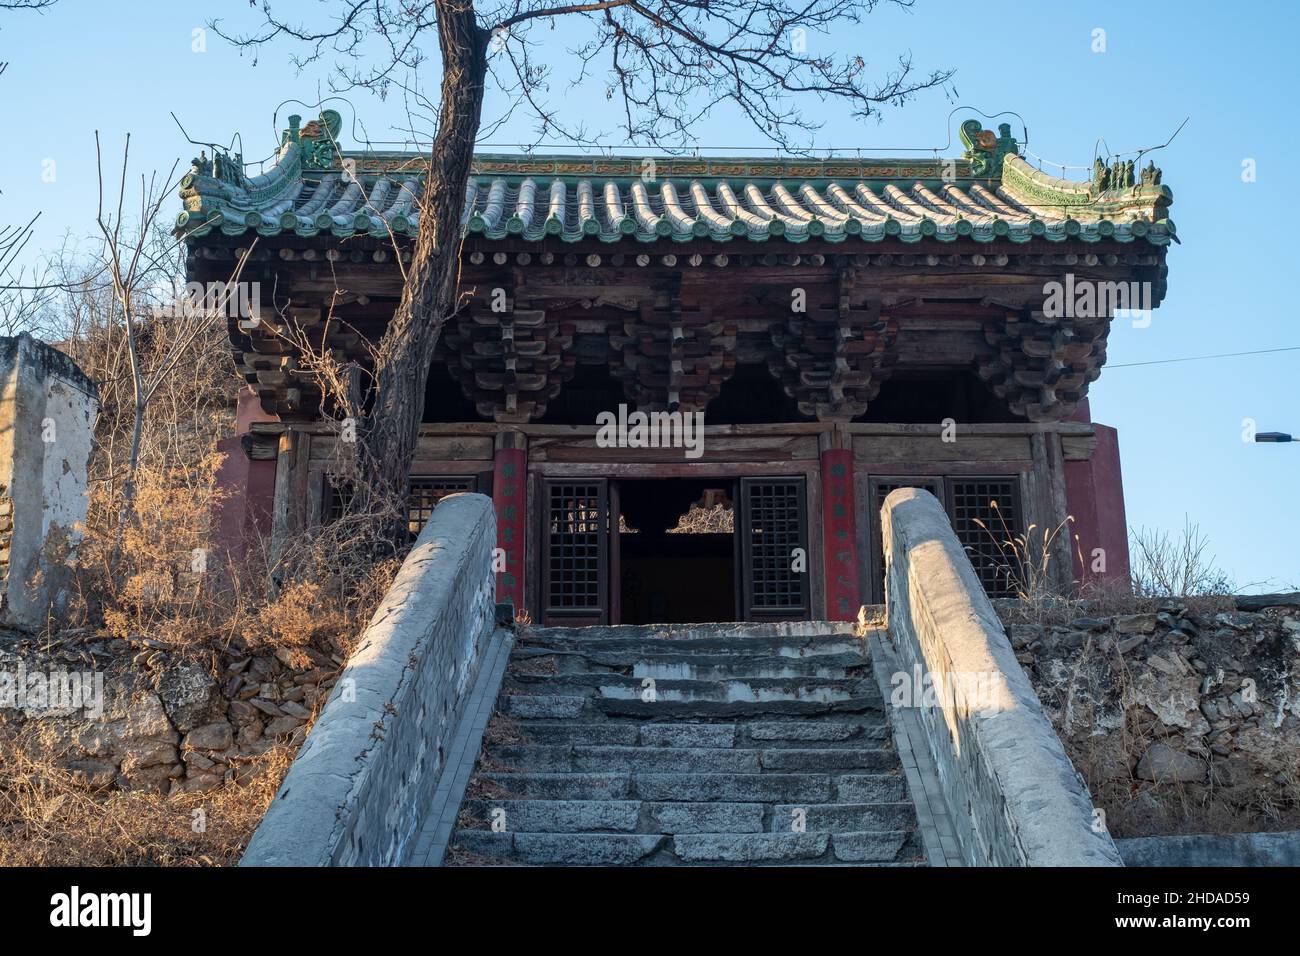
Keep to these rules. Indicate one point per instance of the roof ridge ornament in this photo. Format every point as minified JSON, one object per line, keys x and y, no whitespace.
{"x":318,"y":140}
{"x":986,"y":149}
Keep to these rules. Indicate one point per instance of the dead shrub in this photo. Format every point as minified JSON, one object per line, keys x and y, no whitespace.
{"x":150,"y":572}
{"x":47,"y":818}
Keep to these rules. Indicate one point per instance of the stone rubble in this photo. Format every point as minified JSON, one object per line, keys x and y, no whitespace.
{"x":1181,"y":707}
{"x":169,"y":724}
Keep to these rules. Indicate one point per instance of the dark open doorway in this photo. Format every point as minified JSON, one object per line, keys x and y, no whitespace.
{"x":675,"y":554}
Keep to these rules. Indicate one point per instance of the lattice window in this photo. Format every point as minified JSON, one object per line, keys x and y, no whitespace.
{"x":427,"y":490}
{"x":424,"y":493}
{"x":575,"y":515}
{"x":880,"y":489}
{"x":971,"y":501}
{"x":338,"y":494}
{"x":775,"y":526}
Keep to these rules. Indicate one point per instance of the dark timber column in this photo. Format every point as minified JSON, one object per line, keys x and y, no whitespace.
{"x":839,"y":527}
{"x":510,"y":495}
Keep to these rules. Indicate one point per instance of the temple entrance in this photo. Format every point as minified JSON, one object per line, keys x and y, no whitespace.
{"x":675,"y":551}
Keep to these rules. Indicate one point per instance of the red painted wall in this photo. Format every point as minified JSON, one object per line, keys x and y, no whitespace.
{"x":839,"y":535}
{"x":510,"y":495}
{"x":243,"y":516}
{"x":1094,"y":494}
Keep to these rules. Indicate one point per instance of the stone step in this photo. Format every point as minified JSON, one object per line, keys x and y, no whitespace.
{"x":687,"y":735}
{"x":563,"y":786}
{"x":688,"y":817}
{"x":620,"y":649}
{"x":737,"y":632}
{"x":749,"y":847}
{"x":552,"y":816}
{"x":713,"y":667}
{"x":629,"y":816}
{"x":691,"y":666}
{"x":889,"y":846}
{"x":733,"y":787}
{"x":575,"y":732}
{"x":861,"y":732}
{"x":871,"y":788}
{"x":624,"y":816}
{"x":758,"y":745}
{"x":582,"y":759}
{"x":560,"y":849}
{"x":765,"y":689}
{"x":869,"y":731}
{"x":565,"y":758}
{"x":542,"y":706}
{"x":629,"y":849}
{"x":626,"y":734}
{"x":842,"y":817}
{"x":790,"y":848}
{"x":827,"y":760}
{"x":665,"y":710}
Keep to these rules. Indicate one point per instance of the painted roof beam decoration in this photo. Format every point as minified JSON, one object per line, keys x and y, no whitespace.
{"x":989,"y":194}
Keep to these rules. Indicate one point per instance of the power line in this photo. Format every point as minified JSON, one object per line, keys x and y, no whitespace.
{"x":1202,"y":358}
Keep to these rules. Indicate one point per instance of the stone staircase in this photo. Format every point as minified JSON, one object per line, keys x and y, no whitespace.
{"x":718,"y":744}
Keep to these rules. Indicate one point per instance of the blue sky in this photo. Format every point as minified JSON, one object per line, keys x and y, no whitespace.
{"x":117,"y":67}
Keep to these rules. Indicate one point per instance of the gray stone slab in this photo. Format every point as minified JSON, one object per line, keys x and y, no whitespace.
{"x":886,"y":847}
{"x":564,"y":786}
{"x":749,"y":847}
{"x":561,"y":849}
{"x":552,"y":816}
{"x":733,"y":788}
{"x":543,"y":706}
{"x":871,"y":788}
{"x":706,"y":817}
{"x":666,"y":759}
{"x":687,"y":735}
{"x":843,"y":817}
{"x":828,"y":759}
{"x":573,"y":732}
{"x":814,"y":730}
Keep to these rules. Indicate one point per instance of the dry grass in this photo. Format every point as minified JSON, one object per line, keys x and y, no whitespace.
{"x":501,"y":731}
{"x":151,"y":575}
{"x":48,"y":819}
{"x":717,"y":519}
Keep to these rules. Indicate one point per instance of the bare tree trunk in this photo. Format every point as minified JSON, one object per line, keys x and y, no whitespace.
{"x":406,"y":350}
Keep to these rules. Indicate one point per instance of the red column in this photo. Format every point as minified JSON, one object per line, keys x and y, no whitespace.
{"x":839,"y":535}
{"x":510,"y":495}
{"x":1094,"y":494}
{"x":243,"y":513}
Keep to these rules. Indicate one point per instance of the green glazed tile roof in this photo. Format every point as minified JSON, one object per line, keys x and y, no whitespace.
{"x":988,"y":194}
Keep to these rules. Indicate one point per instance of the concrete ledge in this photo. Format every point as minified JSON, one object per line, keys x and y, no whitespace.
{"x":356,"y":793}
{"x":1213,"y":849}
{"x":1013,"y":795}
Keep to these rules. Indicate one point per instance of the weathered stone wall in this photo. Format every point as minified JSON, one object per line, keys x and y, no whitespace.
{"x":1223,"y":849}
{"x":47,"y":419}
{"x":355,"y":794}
{"x":1013,"y":796}
{"x":1184,"y":718}
{"x":163,"y":724}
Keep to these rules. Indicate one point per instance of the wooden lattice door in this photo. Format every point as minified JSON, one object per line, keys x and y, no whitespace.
{"x":772,"y":536}
{"x":575,"y":551}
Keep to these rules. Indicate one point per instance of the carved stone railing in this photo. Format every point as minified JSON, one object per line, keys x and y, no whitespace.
{"x":1013,"y":795}
{"x":358,"y":790}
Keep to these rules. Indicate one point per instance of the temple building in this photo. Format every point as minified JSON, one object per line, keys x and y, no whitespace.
{"x":840,"y":327}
